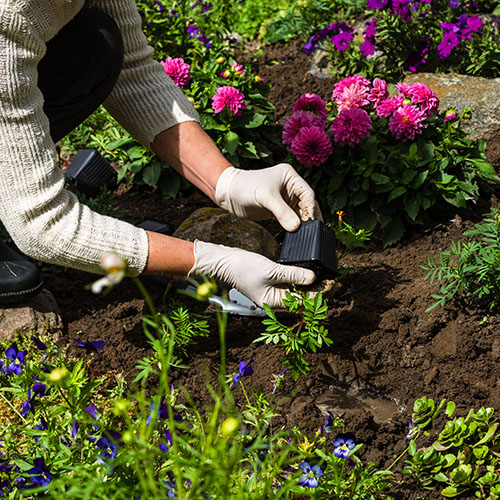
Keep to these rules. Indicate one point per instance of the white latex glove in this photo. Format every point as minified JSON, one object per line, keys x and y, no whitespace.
{"x":260,"y":279}
{"x":277,"y":191}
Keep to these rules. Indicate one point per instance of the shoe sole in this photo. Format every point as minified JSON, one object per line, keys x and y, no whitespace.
{"x":12,"y":297}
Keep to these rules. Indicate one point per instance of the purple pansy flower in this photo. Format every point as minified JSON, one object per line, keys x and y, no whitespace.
{"x":343,"y":444}
{"x":310,"y":475}
{"x":17,"y":359}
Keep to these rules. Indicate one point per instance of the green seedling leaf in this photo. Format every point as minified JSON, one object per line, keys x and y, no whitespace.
{"x":451,"y":492}
{"x":450,"y":409}
{"x":491,"y":432}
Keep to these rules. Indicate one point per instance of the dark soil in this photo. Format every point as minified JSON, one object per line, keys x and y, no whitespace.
{"x":387,"y":349}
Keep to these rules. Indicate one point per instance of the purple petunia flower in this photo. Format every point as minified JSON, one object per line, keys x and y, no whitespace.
{"x":341,"y":41}
{"x":454,"y":4}
{"x":245,"y":371}
{"x":376,"y":4}
{"x":367,"y":48}
{"x":310,"y":475}
{"x":17,"y":359}
{"x":343,"y":444}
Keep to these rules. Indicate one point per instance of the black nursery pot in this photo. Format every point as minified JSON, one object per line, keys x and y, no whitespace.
{"x":89,"y":171}
{"x":313,"y":246}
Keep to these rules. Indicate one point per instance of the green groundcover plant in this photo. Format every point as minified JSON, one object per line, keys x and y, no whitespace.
{"x":385,"y":155}
{"x":74,"y":435}
{"x":470,"y":269}
{"x":400,"y":37}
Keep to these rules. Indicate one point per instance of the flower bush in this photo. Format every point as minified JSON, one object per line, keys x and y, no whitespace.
{"x":385,"y":155}
{"x":430,"y":36}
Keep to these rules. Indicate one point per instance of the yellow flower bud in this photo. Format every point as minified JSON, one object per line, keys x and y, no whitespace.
{"x":206,"y":290}
{"x":127,"y":437}
{"x":121,"y":406}
{"x":220,"y":60}
{"x":230,"y":426}
{"x":58,"y":375}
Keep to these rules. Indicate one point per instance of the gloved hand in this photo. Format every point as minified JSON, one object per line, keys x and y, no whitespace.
{"x":277,"y":191}
{"x":254,"y":275}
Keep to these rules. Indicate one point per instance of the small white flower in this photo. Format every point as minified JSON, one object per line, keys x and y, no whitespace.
{"x":115,"y":266}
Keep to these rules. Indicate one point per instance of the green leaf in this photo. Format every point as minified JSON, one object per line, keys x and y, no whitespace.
{"x":396,"y":192}
{"x":151,"y":174}
{"x":380,"y":178}
{"x":257,"y":120}
{"x":231,"y":141}
{"x":450,"y":409}
{"x":208,"y":122}
{"x":393,"y":233}
{"x":491,"y":432}
{"x":411,"y":208}
{"x":450,"y":491}
{"x":485,"y":168}
{"x":170,"y":183}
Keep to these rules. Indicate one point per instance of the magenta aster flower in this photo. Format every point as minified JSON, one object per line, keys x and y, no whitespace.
{"x":387,"y":107}
{"x":407,"y":121}
{"x":231,"y":97}
{"x":351,"y":125}
{"x":312,"y":146}
{"x":311,"y":102}
{"x":353,"y":96}
{"x":297,"y":122}
{"x":177,"y":69}
{"x":450,"y":115}
{"x":347,"y":82}
{"x":379,"y":91}
{"x":423,"y":95}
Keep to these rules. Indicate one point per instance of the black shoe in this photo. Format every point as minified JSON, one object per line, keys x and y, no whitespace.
{"x":19,"y":278}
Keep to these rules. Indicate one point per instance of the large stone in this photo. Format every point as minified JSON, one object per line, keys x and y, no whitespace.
{"x":481,"y":95}
{"x":39,"y":313}
{"x":218,"y":226}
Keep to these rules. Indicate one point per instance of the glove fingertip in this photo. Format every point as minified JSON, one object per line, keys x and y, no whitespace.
{"x":309,"y":277}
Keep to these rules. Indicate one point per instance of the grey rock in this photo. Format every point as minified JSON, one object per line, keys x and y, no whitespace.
{"x":39,"y":313}
{"x":481,"y":95}
{"x":215,"y":225}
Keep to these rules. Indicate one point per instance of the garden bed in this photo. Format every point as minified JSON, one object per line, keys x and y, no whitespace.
{"x":386,"y":352}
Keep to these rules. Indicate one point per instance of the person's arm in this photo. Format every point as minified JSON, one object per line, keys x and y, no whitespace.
{"x":190,"y":150}
{"x":46,"y":221}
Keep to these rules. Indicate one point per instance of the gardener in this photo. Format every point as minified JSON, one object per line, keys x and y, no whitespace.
{"x":59,"y":61}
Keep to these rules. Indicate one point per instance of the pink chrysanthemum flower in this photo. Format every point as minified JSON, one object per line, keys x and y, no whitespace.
{"x":351,"y":125}
{"x":407,"y":121}
{"x":387,"y":107}
{"x":312,"y":146}
{"x":177,"y":69}
{"x":231,"y":97}
{"x":297,"y":122}
{"x":379,"y":91}
{"x":450,"y":115}
{"x":347,"y":82}
{"x":311,"y":102}
{"x":403,"y":88}
{"x":423,"y":95}
{"x":353,"y":96}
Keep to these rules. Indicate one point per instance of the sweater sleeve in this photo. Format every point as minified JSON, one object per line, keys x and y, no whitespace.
{"x":145,"y":101}
{"x":45,"y":220}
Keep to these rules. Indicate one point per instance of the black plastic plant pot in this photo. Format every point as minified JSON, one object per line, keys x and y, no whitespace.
{"x":157,"y":226}
{"x":313,"y":245}
{"x":88,"y":172}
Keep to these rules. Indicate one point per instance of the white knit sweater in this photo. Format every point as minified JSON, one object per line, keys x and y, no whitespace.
{"x":45,"y":220}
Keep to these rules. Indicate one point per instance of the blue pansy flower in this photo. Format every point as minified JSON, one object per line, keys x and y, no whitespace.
{"x":245,"y":371}
{"x":108,"y":447}
{"x":41,"y":346}
{"x":90,"y":345}
{"x":40,"y":473}
{"x":310,"y":475}
{"x":16,"y":357}
{"x":92,"y":411}
{"x":343,"y":444}
{"x":165,"y":446}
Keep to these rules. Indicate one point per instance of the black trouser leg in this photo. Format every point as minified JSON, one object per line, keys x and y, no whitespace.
{"x":79,"y":70}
